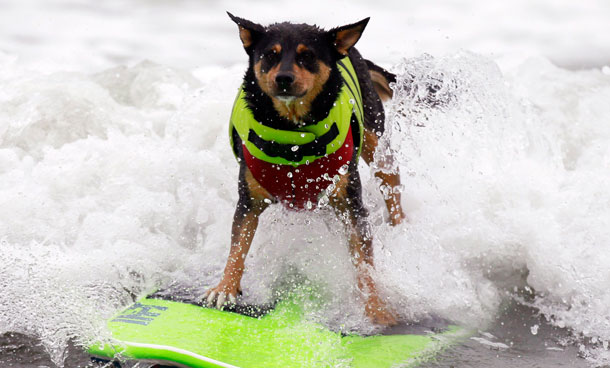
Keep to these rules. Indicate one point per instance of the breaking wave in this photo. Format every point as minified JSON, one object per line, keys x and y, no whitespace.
{"x":120,"y":182}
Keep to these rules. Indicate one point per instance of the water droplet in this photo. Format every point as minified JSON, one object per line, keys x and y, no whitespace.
{"x":289,"y":174}
{"x":294,"y":148}
{"x":534,"y":329}
{"x":343,"y":169}
{"x":352,"y":101}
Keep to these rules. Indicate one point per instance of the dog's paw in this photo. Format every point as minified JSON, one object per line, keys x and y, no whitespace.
{"x":220,"y":296}
{"x":383,"y":318}
{"x":379,"y":313}
{"x":398,"y":217}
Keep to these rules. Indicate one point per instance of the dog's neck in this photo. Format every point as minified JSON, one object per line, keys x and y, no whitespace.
{"x":295,"y":113}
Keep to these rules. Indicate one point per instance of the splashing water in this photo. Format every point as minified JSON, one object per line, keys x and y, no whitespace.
{"x":116,"y":183}
{"x":511,"y":173}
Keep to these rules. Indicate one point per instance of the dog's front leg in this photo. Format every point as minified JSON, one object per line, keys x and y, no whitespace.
{"x":389,"y":180}
{"x":361,"y":250}
{"x":250,"y":205}
{"x":348,"y":205}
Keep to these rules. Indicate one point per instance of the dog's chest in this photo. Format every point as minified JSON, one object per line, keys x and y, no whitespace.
{"x":303,"y":186}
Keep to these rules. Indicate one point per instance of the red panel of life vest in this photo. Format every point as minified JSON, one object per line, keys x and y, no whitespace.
{"x":300,"y":187}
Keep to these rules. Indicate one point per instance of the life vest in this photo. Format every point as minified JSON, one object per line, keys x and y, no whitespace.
{"x":297,"y":166}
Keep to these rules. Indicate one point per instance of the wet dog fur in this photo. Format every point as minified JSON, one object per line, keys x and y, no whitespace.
{"x":292,"y":79}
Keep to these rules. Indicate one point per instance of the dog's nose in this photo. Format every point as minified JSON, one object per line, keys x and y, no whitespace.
{"x":284,"y":80}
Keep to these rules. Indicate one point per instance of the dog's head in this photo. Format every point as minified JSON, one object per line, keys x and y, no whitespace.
{"x":292,"y":62}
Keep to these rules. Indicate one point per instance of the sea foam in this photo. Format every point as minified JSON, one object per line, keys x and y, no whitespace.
{"x":116,"y":183}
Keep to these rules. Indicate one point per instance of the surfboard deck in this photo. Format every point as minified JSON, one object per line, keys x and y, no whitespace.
{"x":171,"y":333}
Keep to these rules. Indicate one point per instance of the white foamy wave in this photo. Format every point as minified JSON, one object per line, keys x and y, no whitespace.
{"x":115,"y":183}
{"x":570,"y":263}
{"x":511,"y":175}
{"x":96,"y":194}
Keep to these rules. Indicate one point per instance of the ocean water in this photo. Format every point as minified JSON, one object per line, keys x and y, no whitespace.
{"x":116,"y":177}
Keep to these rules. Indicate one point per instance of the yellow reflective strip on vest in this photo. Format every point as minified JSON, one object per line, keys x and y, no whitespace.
{"x":349,"y":76}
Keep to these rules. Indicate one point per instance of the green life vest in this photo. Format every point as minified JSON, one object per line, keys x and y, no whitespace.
{"x":303,"y":144}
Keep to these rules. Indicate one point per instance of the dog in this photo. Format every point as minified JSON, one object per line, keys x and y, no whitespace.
{"x":308,"y":107}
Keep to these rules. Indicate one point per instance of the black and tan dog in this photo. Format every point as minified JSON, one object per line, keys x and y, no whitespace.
{"x":309,"y":106}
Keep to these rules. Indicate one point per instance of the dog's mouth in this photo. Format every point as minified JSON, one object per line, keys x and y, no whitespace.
{"x":287,"y":95}
{"x":285,"y":98}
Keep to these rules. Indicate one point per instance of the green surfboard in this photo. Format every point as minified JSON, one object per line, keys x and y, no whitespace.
{"x":179,"y":334}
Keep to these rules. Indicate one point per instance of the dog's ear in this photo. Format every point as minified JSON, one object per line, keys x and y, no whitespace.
{"x":343,"y":38}
{"x":249,"y":32}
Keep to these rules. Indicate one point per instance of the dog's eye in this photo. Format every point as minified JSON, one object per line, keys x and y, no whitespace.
{"x":271,"y":56}
{"x":305,"y":57}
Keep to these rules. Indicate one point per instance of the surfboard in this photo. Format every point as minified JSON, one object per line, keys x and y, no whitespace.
{"x":156,"y":332}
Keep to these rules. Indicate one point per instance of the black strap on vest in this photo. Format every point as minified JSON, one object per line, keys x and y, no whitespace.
{"x":317,"y":147}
